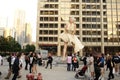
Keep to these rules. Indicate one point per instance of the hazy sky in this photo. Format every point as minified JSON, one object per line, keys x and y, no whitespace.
{"x":8,"y":7}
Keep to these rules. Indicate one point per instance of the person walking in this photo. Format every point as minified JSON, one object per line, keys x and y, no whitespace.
{"x":9,"y":59}
{"x":69,"y":62}
{"x":39,"y":59}
{"x":26,"y":61}
{"x":97,"y":67}
{"x":34,"y":63}
{"x":49,"y":61}
{"x":116,"y":60}
{"x":101,"y":65}
{"x":16,"y":66}
{"x":91,"y":66}
{"x":74,"y":62}
{"x":30,"y":61}
{"x":1,"y":63}
{"x":110,"y":65}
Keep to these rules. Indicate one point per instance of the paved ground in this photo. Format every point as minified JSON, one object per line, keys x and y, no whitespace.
{"x":57,"y":73}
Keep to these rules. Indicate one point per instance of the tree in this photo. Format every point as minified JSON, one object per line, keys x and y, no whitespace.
{"x":9,"y":44}
{"x":3,"y":44}
{"x":30,"y":48}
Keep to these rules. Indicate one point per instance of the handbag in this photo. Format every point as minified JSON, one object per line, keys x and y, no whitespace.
{"x":113,"y":70}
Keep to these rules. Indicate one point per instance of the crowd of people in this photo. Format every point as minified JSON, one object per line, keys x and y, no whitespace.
{"x":96,"y":64}
{"x":31,"y":59}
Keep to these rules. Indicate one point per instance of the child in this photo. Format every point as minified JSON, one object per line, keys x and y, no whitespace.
{"x":39,"y":77}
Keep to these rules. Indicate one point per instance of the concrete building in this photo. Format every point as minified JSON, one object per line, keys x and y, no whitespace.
{"x":97,"y":24}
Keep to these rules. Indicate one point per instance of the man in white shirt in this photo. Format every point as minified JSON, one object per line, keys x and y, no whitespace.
{"x":1,"y":60}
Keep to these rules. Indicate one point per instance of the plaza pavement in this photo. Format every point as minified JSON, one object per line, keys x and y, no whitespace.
{"x":58,"y":72}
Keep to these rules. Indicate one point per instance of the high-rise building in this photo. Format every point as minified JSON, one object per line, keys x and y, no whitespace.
{"x":8,"y":32}
{"x":1,"y":31}
{"x":28,"y":33}
{"x":19,"y":26}
{"x":97,"y":24}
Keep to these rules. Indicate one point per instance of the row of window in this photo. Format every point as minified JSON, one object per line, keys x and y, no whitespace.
{"x":49,"y":0}
{"x":48,"y":18}
{"x":99,"y":40}
{"x":48,"y":12}
{"x":92,"y":6}
{"x":88,"y":39}
{"x":93,"y":13}
{"x":75,"y":6}
{"x":89,"y":19}
{"x":51,"y":6}
{"x":91,"y":32}
{"x":52,"y":39}
{"x":91,"y":39}
{"x":95,"y":26}
{"x":93,"y":1}
{"x":86,"y":26}
{"x":90,"y":13}
{"x":48,"y":25}
{"x":48,"y":32}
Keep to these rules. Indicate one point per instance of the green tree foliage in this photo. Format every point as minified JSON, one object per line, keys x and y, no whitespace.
{"x":30,"y":48}
{"x":9,"y":44}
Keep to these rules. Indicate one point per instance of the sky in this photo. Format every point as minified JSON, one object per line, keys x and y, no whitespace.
{"x":8,"y":7}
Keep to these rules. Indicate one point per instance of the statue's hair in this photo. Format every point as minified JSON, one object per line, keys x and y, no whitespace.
{"x":72,"y":18}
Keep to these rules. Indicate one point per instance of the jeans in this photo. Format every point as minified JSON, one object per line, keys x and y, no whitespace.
{"x":15,"y":75}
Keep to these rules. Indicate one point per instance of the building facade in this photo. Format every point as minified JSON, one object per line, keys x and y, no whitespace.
{"x":97,"y":24}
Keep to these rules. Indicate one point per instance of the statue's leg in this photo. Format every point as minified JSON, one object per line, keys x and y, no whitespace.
{"x":64,"y":50}
{"x":73,"y":45}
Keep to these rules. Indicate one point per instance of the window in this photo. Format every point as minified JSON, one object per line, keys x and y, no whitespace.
{"x":40,"y":38}
{"x":77,"y":32}
{"x":50,"y":38}
{"x":105,"y":32}
{"x":50,"y":31}
{"x":104,"y":6}
{"x":104,"y":19}
{"x":45,"y":38}
{"x":104,"y":1}
{"x":40,"y":31}
{"x":45,"y":25}
{"x":45,"y":31}
{"x":41,"y":25}
{"x":55,"y":39}
{"x":62,"y":25}
{"x":50,"y":25}
{"x":77,"y":25}
{"x":55,"y":32}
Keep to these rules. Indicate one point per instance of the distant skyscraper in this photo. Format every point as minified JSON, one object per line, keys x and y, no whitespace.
{"x":8,"y":32}
{"x":97,"y":24}
{"x":19,"y":24}
{"x":28,"y":33}
{"x":1,"y":31}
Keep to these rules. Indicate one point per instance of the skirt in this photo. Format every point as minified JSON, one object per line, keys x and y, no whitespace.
{"x":66,"y":37}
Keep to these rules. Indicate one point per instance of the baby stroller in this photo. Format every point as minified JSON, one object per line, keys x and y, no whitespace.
{"x":81,"y":73}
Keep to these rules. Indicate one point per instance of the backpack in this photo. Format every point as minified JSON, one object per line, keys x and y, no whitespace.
{"x":116,"y":59}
